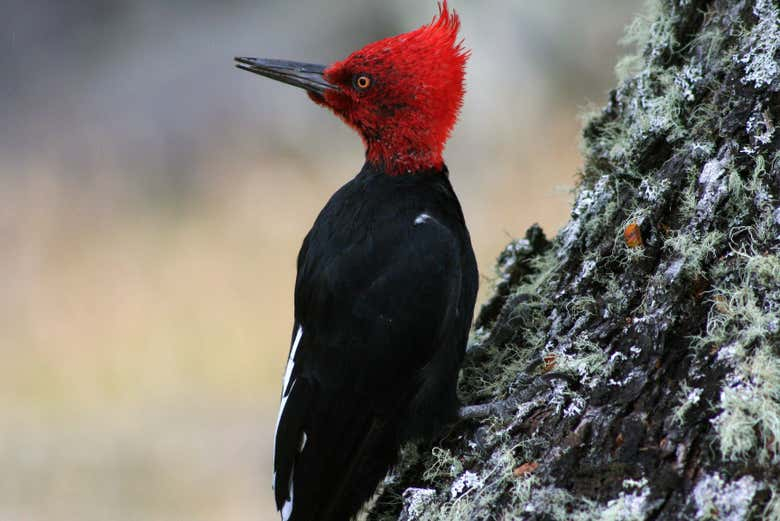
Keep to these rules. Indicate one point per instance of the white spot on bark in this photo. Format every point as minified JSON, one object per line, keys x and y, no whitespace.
{"x":760,"y":125}
{"x":416,"y":499}
{"x":629,"y":506}
{"x":726,"y":501}
{"x":690,"y":76}
{"x":467,"y":481}
{"x":761,"y":46}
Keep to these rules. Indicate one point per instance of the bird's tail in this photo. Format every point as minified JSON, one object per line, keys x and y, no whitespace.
{"x":342,"y":464}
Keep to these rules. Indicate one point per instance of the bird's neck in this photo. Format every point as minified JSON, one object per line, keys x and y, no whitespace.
{"x":404,"y":160}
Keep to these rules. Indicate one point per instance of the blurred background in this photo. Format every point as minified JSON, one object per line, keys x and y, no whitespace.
{"x":153,"y":199}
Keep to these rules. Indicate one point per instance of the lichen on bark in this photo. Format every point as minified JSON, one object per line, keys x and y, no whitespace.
{"x":639,"y":351}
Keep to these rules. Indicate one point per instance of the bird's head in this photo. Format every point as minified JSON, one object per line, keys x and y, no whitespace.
{"x":402,"y":94}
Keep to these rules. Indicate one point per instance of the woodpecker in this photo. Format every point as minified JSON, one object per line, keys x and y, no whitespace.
{"x":386,"y":280}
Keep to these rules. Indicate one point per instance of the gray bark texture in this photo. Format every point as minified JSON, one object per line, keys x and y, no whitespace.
{"x":633,"y":362}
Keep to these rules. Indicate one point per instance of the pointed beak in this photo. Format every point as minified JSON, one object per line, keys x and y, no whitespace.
{"x":307,"y":76}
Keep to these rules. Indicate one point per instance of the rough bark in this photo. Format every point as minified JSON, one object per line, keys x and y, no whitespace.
{"x":635,"y":359}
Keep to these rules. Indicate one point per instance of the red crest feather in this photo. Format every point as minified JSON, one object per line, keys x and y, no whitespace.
{"x":416,"y":91}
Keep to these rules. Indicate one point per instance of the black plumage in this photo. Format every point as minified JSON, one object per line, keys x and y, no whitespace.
{"x":386,"y":277}
{"x":384,"y":299}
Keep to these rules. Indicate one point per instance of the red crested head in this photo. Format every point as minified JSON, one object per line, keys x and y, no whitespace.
{"x":402,"y":94}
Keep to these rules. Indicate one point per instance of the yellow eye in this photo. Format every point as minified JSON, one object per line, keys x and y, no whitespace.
{"x":363,"y":82}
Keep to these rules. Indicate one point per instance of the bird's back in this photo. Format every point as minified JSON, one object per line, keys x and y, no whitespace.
{"x":383,"y":304}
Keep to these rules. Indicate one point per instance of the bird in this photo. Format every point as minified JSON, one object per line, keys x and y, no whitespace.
{"x":386,"y":277}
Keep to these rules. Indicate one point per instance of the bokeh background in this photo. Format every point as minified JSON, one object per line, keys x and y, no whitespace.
{"x":152,"y":201}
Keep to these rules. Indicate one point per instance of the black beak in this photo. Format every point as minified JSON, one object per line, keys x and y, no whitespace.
{"x":304,"y":75}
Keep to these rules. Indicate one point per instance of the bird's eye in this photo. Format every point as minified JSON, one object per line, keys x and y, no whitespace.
{"x":362,"y":81}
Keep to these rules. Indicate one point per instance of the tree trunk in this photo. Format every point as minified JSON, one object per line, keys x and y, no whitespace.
{"x":634,"y":361}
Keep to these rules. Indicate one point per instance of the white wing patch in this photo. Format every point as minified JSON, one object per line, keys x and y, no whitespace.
{"x":304,"y":439}
{"x":287,"y":508}
{"x":422,"y":218}
{"x":281,"y":411}
{"x":291,"y":360}
{"x":287,"y":374}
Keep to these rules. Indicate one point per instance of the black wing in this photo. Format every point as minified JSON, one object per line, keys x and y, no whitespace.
{"x":374,"y":361}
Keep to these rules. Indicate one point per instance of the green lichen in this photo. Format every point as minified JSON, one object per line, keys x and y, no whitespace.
{"x":586,"y":361}
{"x":523,"y":490}
{"x":558,"y":504}
{"x":441,"y":465}
{"x":688,"y":397}
{"x":694,"y":250}
{"x":630,"y":505}
{"x":470,"y":493}
{"x":711,"y":40}
{"x":651,"y":30}
{"x":742,"y":328}
{"x":511,"y":359}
